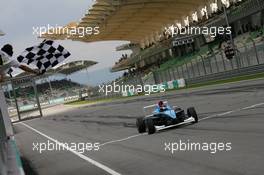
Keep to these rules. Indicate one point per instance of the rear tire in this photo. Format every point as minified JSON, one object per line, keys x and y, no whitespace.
{"x":150,"y":126}
{"x":141,"y":125}
{"x":191,"y":112}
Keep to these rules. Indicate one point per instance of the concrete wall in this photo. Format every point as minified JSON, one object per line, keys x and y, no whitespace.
{"x":6,"y":119}
{"x":10,"y":163}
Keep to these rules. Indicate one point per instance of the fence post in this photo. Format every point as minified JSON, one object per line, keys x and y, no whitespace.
{"x":241,"y":60}
{"x":222,"y":56}
{"x":155,"y":77}
{"x":216,"y":62}
{"x":210,"y":63}
{"x":247,"y":56}
{"x":231,"y":63}
{"x":205,"y":72}
{"x":192,"y":68}
{"x":188,"y":73}
{"x":173,"y":73}
{"x":37,"y":97}
{"x":256,"y":52}
{"x":178,"y":72}
{"x":168,"y":72}
{"x":17,"y":107}
{"x":182,"y":71}
{"x":198,"y":68}
{"x":163,"y":79}
{"x":237,"y":61}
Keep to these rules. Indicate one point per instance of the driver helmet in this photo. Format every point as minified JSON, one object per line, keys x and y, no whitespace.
{"x":161,"y":104}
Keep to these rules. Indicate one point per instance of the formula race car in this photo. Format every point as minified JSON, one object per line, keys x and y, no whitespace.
{"x":162,"y":115}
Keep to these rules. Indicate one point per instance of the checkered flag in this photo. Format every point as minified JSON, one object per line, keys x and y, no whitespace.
{"x":45,"y":55}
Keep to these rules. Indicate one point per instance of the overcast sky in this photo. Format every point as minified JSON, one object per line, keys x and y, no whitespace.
{"x":18,"y":17}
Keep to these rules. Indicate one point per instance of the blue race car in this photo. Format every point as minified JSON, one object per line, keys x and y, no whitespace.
{"x":162,"y":114}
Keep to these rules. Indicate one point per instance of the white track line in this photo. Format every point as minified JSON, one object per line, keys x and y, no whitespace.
{"x":233,"y":111}
{"x":95,"y":163}
{"x":205,"y":118}
{"x":120,"y":140}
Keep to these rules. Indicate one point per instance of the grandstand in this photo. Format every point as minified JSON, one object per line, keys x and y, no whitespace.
{"x":25,"y":91}
{"x":75,"y":66}
{"x":162,"y":54}
{"x":156,"y":50}
{"x":46,"y":89}
{"x":246,"y":19}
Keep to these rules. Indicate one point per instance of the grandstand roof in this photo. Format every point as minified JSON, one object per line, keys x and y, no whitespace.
{"x":66,"y":68}
{"x":126,"y":46}
{"x":131,"y":20}
{"x":75,"y":66}
{"x":121,"y":66}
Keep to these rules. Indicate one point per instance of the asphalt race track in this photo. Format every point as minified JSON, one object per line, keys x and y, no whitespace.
{"x":230,"y":113}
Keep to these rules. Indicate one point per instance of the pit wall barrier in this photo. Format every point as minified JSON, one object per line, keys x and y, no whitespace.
{"x":10,"y":162}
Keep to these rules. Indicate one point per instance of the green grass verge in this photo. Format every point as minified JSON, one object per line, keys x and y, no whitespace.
{"x":230,"y":80}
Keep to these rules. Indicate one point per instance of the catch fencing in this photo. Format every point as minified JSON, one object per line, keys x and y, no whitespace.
{"x":249,"y":59}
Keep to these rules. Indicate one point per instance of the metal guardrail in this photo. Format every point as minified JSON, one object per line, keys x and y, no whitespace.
{"x":228,"y":74}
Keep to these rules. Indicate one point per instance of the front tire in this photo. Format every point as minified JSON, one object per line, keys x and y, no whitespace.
{"x":150,"y":126}
{"x":141,"y":125}
{"x":191,"y":112}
